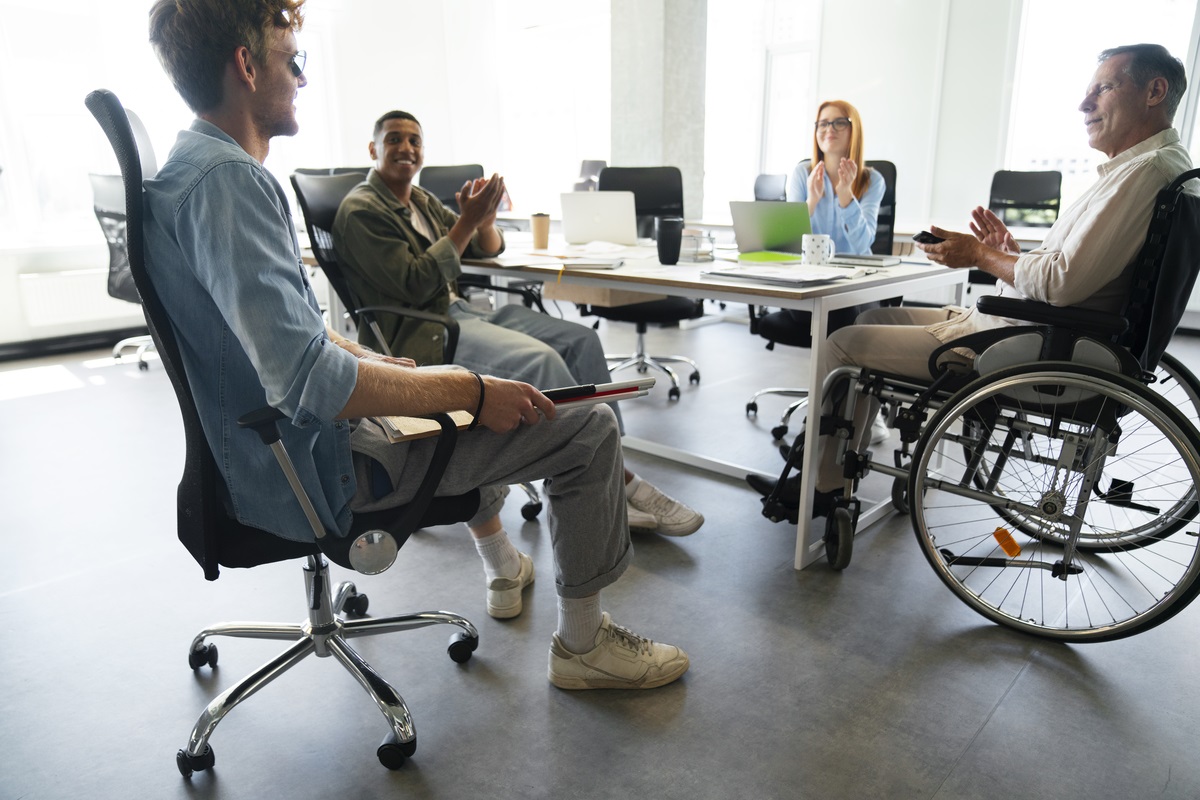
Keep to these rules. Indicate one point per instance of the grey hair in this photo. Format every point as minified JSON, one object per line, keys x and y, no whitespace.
{"x":1150,"y":61}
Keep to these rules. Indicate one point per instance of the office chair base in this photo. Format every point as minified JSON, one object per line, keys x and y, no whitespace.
{"x":323,"y":634}
{"x":643,"y":362}
{"x":780,"y":430}
{"x":139,"y":344}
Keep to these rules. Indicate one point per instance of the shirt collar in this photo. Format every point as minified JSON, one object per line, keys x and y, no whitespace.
{"x":376,"y":182}
{"x":1159,"y":140}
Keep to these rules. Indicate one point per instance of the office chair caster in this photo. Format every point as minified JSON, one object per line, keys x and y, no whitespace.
{"x":531,"y":510}
{"x":694,"y":378}
{"x":392,"y":753}
{"x":204,"y":654}
{"x":752,"y":408}
{"x":189,"y":764}
{"x":356,"y":604}
{"x":777,"y":433}
{"x":462,"y":645}
{"x":839,"y":538}
{"x":673,"y":393}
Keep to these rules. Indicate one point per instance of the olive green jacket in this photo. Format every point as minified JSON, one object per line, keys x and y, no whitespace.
{"x":386,"y":262}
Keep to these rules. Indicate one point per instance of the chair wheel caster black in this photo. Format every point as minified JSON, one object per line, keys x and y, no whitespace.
{"x":392,"y":753}
{"x":204,"y":654}
{"x":751,"y":408}
{"x":694,"y":378}
{"x":530,"y":510}
{"x":673,"y":393}
{"x":143,"y":366}
{"x":189,"y":764}
{"x":462,"y":645}
{"x":839,"y":538}
{"x":356,"y":604}
{"x":778,"y":432}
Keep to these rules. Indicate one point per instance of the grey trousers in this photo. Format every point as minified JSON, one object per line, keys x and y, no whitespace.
{"x":578,"y":454}
{"x":893,"y":339}
{"x":520,"y":344}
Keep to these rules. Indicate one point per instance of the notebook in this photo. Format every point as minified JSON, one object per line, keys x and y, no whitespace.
{"x":599,"y":217}
{"x":769,"y":225}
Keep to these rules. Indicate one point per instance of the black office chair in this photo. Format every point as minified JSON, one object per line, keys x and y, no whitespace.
{"x":1026,"y":199}
{"x":216,"y":539}
{"x":657,"y":191}
{"x":770,"y":187}
{"x":794,"y":328}
{"x":319,"y":195}
{"x":360,"y":171}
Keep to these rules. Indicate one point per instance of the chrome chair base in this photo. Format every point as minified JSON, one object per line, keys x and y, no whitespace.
{"x":323,"y":634}
{"x":139,"y":344}
{"x":642,"y":361}
{"x":780,"y":430}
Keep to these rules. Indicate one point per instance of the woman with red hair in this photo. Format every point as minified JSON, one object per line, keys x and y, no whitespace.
{"x":843,"y":195}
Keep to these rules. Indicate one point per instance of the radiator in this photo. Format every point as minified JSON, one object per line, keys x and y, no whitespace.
{"x":71,"y":297}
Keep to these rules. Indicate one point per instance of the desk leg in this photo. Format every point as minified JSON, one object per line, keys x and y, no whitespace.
{"x":810,"y":544}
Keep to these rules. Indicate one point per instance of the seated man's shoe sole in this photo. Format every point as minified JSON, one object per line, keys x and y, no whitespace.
{"x":620,"y":660}
{"x":504,"y":594}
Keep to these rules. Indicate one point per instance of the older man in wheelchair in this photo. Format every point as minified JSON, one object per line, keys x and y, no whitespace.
{"x":1050,"y":482}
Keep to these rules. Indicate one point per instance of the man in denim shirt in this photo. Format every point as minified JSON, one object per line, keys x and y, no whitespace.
{"x":222,"y":252}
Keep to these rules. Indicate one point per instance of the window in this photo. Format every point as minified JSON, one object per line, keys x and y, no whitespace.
{"x":1056,"y":59}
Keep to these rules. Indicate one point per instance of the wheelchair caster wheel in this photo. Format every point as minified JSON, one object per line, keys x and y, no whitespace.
{"x":530,"y":510}
{"x":839,"y":538}
{"x":673,"y":394}
{"x":392,"y":753}
{"x":205,"y":654}
{"x":189,"y":764}
{"x":778,"y":432}
{"x":694,"y":378}
{"x":751,"y":408}
{"x":462,"y":645}
{"x":356,"y":604}
{"x":900,"y":495}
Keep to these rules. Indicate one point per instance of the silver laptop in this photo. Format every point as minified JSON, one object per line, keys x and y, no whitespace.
{"x":599,"y":217}
{"x":769,"y":225}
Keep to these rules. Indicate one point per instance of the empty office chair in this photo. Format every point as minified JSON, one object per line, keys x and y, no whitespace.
{"x":657,"y":191}
{"x":589,"y":175}
{"x":794,"y":328}
{"x":444,"y":182}
{"x":1022,"y":199}
{"x":216,"y":539}
{"x":108,"y":202}
{"x":770,"y":187}
{"x":319,"y":195}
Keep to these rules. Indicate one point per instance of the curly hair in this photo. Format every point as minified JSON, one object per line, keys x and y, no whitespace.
{"x":195,"y":38}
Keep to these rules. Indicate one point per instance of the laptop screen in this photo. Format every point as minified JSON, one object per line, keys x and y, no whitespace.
{"x":769,"y":225}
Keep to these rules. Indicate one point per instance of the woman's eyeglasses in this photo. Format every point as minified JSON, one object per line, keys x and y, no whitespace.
{"x":839,"y":124}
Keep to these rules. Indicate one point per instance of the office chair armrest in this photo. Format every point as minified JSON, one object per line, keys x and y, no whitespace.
{"x":1095,"y":323}
{"x":450,"y":324}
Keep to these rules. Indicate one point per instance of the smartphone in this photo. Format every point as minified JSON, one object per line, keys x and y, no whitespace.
{"x":925,"y":237}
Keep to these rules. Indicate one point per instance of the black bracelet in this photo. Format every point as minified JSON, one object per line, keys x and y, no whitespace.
{"x":479,"y":407}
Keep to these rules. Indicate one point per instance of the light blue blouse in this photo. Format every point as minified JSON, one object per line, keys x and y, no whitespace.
{"x":852,"y":227}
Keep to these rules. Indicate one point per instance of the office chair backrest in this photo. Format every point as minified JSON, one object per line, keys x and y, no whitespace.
{"x":770,"y":187}
{"x":1165,"y":272}
{"x":319,"y":196}
{"x":885,"y":225}
{"x":201,"y":530}
{"x":108,"y":201}
{"x":360,"y":171}
{"x":1026,"y":198}
{"x":444,"y":182}
{"x":657,"y":192}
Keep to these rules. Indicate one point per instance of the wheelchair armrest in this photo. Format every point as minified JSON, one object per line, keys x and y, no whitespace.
{"x":450,"y":324}
{"x":1085,"y":320}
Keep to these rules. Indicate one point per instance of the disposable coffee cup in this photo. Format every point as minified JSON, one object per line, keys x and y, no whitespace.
{"x":540,"y":225}
{"x":668,"y":231}
{"x":817,"y":249}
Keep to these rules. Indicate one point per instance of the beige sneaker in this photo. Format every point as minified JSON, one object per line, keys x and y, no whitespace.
{"x":504,"y":594}
{"x":640,"y":521}
{"x":673,"y":518}
{"x":620,"y":660}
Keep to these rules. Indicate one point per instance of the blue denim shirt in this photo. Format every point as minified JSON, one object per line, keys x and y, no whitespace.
{"x":222,"y":252}
{"x":852,"y":228}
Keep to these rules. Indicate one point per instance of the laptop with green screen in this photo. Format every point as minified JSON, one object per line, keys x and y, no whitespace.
{"x":769,"y":225}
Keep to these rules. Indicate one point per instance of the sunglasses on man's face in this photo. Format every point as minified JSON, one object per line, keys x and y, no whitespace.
{"x":296,"y":64}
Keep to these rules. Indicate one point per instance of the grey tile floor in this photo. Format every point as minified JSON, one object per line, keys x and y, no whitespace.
{"x":873,"y":682}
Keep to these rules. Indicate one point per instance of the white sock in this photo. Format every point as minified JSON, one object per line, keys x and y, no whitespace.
{"x":632,"y":486}
{"x":500,"y":558}
{"x":579,"y":622}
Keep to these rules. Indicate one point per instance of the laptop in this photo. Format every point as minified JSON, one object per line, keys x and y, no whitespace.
{"x":769,"y":225}
{"x":599,"y":217}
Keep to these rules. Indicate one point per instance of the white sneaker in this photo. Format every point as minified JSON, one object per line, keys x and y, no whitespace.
{"x":620,"y":660}
{"x":504,"y":594}
{"x":639,"y":520}
{"x":672,"y":516}
{"x":880,"y":432}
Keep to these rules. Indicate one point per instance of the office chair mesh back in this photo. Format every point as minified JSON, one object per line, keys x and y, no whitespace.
{"x":885,"y":223}
{"x":108,"y":201}
{"x":444,"y":182}
{"x":319,"y":195}
{"x":1026,"y":198}
{"x":770,"y":187}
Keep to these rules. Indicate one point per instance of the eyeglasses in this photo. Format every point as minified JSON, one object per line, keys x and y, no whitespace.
{"x":839,"y":124}
{"x":297,"y":61}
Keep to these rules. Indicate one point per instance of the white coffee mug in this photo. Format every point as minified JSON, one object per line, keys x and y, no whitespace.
{"x":818,"y":249}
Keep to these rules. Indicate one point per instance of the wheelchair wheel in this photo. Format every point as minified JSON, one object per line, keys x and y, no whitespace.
{"x":1032,"y":443}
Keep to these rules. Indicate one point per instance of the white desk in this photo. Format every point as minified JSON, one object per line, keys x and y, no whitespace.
{"x":686,"y":280}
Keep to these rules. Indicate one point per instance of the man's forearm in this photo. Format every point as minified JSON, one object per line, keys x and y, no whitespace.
{"x":998,"y":264}
{"x":386,"y":389}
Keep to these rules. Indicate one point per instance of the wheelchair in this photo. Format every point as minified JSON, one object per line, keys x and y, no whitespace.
{"x":1052,"y":486}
